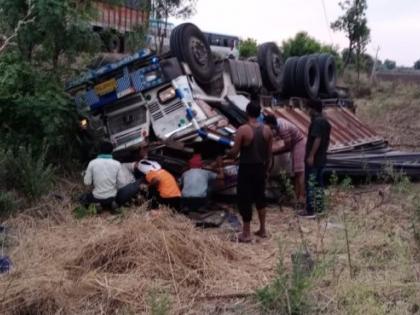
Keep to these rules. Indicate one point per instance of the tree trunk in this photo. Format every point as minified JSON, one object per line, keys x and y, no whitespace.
{"x":162,"y":39}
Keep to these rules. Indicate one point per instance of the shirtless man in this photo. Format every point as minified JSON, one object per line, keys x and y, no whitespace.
{"x":253,"y":141}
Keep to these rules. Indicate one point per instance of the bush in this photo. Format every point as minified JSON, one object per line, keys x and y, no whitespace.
{"x":35,"y":110}
{"x":248,"y":48}
{"x":81,"y":212}
{"x":7,"y":203}
{"x":159,"y":303}
{"x":287,"y":294}
{"x":27,"y":172}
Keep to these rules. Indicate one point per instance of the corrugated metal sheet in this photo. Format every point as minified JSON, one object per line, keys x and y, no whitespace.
{"x":347,"y":132}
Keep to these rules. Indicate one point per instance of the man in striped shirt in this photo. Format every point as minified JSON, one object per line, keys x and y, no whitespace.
{"x":288,"y":138}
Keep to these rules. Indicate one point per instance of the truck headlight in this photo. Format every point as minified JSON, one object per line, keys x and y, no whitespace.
{"x":166,"y":95}
{"x":84,"y":123}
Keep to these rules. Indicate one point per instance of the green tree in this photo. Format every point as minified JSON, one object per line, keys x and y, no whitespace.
{"x":417,"y":65}
{"x":248,"y":48}
{"x":34,"y":109}
{"x":304,"y":44}
{"x":41,"y":39}
{"x":354,"y":24}
{"x":47,"y":30}
{"x":390,"y":64}
{"x":136,"y":39}
{"x":366,"y":60}
{"x":161,"y":10}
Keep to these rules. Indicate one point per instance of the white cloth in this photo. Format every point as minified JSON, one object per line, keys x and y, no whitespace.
{"x":127,"y":174}
{"x":105,"y":175}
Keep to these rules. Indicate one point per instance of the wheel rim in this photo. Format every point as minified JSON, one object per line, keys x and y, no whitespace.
{"x":199,"y":51}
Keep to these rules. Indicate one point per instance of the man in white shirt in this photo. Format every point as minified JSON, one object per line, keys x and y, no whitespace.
{"x":105,"y":174}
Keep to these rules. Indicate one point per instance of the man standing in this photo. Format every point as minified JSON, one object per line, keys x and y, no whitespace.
{"x":316,"y":158}
{"x":253,"y":140}
{"x":288,"y":138}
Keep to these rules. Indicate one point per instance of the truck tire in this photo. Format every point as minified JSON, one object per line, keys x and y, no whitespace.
{"x":271,"y":64}
{"x":114,"y":44}
{"x":289,"y":76}
{"x":189,"y":45}
{"x":328,"y":73}
{"x":307,"y":77}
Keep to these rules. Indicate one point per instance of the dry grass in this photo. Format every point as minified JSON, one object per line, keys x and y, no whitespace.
{"x":392,"y":110}
{"x":112,"y":265}
{"x":107,"y":264}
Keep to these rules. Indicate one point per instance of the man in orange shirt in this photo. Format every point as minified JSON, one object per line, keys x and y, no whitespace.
{"x":163,"y":188}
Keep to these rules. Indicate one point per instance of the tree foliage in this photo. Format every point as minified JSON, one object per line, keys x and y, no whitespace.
{"x":136,"y":39}
{"x":366,"y":60}
{"x":59,"y":28}
{"x":304,"y":44}
{"x":161,"y":10}
{"x":390,"y":64}
{"x":33,"y":106}
{"x":353,"y":23}
{"x":417,"y":65}
{"x":248,"y":48}
{"x":34,"y":109}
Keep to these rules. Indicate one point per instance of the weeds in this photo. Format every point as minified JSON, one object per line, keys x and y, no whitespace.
{"x":159,"y":303}
{"x":7,"y":203}
{"x":81,"y":212}
{"x":27,"y":172}
{"x":288,"y":292}
{"x":401,"y":182}
{"x":416,"y":220}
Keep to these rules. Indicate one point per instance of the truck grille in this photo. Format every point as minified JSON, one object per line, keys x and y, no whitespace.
{"x":157,"y":116}
{"x":159,"y":111}
{"x":173,"y":108}
{"x":124,"y":139}
{"x":127,"y":120}
{"x":153,"y":108}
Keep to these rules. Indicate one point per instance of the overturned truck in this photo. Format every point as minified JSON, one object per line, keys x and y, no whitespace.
{"x":187,"y":100}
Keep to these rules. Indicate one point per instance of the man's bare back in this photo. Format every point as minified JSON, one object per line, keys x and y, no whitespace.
{"x":247,"y":131}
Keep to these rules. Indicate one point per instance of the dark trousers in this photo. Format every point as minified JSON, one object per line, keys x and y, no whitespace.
{"x":87,"y":199}
{"x":157,"y":200}
{"x":127,"y":193}
{"x":250,"y":189}
{"x":193,"y":204}
{"x":314,"y":184}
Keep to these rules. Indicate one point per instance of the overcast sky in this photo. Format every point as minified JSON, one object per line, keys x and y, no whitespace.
{"x":394,"y":24}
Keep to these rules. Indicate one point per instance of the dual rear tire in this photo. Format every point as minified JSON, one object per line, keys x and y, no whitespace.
{"x":310,"y":76}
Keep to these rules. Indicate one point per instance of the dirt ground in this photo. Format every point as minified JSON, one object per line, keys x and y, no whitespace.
{"x":49,"y":253}
{"x":365,"y":250}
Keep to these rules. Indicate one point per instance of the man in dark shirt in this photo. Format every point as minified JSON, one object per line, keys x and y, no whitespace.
{"x":253,"y":140}
{"x":315,"y":159}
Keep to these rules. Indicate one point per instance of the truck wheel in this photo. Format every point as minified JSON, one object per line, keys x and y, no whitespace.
{"x":328,"y":73}
{"x":271,"y":64}
{"x":307,"y":77}
{"x":114,"y":43}
{"x":289,"y":76}
{"x":188,"y":44}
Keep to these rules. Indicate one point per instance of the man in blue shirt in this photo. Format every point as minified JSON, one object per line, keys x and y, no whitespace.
{"x":196,"y":182}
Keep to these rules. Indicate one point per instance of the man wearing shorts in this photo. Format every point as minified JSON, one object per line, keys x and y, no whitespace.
{"x":288,"y":138}
{"x":253,"y":141}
